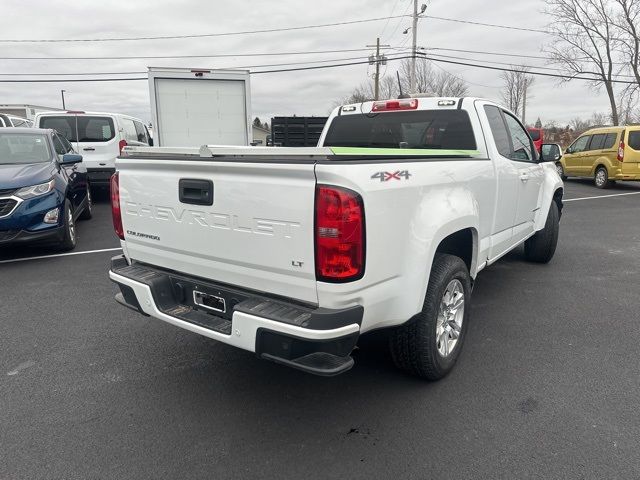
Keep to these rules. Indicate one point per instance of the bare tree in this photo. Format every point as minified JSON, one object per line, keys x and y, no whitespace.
{"x":516,"y":84}
{"x":389,"y":87}
{"x":585,"y":42}
{"x":627,"y":21}
{"x":439,"y":83}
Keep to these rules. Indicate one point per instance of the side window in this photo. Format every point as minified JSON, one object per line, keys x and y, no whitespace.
{"x":57,"y":143}
{"x":634,"y":140}
{"x":610,"y":141}
{"x":141,"y":133}
{"x":522,"y":147}
{"x":130,"y":134}
{"x":498,"y":130}
{"x":597,"y":141}
{"x":580,"y":145}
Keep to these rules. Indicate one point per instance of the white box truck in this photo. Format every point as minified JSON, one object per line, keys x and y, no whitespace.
{"x":195,"y":107}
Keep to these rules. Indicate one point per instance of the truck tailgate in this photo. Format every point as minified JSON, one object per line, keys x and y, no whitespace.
{"x":257,"y":233}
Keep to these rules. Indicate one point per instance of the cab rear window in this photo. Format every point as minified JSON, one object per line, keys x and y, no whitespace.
{"x":428,"y":129}
{"x":535,"y":135}
{"x":81,"y":128}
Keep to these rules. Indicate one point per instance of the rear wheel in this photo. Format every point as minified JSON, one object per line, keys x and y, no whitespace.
{"x":560,"y":171}
{"x":541,"y":247}
{"x":601,"y":178}
{"x":429,"y":345}
{"x":69,"y":240}
{"x":87,"y":213}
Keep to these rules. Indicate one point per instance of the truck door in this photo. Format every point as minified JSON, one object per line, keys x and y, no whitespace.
{"x":506,"y":182}
{"x":530,"y":176}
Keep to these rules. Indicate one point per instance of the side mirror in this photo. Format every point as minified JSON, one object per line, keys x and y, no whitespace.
{"x":550,"y":152}
{"x":150,"y":142}
{"x":70,"y":159}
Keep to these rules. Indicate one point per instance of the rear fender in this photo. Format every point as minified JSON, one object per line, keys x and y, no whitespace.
{"x":442,"y":213}
{"x":612,"y":167}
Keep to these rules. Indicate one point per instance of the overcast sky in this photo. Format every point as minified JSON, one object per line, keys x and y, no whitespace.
{"x":302,"y":93}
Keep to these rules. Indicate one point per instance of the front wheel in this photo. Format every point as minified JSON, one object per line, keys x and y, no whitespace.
{"x":69,"y":239}
{"x":541,"y":247}
{"x":560,"y":171}
{"x":87,"y":213}
{"x":429,"y":345}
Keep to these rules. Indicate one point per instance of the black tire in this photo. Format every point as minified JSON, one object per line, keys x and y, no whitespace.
{"x":69,"y":239}
{"x":560,"y":170}
{"x":87,"y":213}
{"x":414,"y":346}
{"x":599,"y":182}
{"x":541,"y":247}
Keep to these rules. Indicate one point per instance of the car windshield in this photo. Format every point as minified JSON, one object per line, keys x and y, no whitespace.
{"x":428,"y":129}
{"x":17,"y":148}
{"x":88,"y":128}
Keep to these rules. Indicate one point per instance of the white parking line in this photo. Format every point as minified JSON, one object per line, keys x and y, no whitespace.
{"x":60,"y":255}
{"x":600,"y":196}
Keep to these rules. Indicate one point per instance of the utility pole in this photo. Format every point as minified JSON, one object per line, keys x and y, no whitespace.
{"x":62,"y":92}
{"x":377,"y":59}
{"x":524,"y":100}
{"x":414,"y":45}
{"x":524,"y":103}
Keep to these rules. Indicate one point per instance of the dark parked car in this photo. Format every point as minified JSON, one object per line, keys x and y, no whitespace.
{"x":43,"y":188}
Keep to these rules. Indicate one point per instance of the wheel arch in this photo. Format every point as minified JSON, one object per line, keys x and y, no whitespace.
{"x":552,"y":191}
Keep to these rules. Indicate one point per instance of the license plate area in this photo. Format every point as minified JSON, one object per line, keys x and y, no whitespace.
{"x":212,"y":303}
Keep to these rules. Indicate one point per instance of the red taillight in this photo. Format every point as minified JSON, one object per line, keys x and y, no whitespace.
{"x":121,"y":145}
{"x":620,"y":156}
{"x":385,"y":105}
{"x":116,"y":213}
{"x":339,"y":234}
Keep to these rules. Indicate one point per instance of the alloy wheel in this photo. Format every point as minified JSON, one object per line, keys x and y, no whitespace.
{"x":450,"y":317}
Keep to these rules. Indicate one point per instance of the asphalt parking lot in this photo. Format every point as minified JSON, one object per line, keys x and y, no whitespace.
{"x":547,"y":386}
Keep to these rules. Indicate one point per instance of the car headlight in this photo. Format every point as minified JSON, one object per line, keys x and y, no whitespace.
{"x":35,"y":190}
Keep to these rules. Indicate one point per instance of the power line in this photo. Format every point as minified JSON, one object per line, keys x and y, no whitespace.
{"x":541,"y":74}
{"x":201,"y":35}
{"x":404,"y":14}
{"x":318,"y":67}
{"x":493,"y":25}
{"x":539,"y":67}
{"x":297,"y":69}
{"x":226,"y":67}
{"x":389,"y":18}
{"x":215,"y":55}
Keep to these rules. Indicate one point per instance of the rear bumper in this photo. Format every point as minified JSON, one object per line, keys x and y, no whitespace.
{"x":315,"y":340}
{"x":100,"y":176}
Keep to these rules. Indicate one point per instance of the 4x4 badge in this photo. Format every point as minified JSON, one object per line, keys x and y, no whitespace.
{"x":386,"y":176}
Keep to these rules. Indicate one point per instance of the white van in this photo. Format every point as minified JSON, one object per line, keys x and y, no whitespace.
{"x":98,"y":137}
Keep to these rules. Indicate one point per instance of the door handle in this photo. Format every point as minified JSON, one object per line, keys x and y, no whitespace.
{"x":195,"y":192}
{"x":89,"y":149}
{"x":524,"y":177}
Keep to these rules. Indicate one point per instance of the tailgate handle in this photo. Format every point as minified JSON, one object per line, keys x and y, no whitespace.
{"x":196,"y":192}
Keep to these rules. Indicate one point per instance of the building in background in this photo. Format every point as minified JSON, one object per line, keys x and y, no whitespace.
{"x":260,"y":135}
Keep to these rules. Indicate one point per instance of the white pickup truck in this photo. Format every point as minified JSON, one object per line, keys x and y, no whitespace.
{"x":294,"y":253}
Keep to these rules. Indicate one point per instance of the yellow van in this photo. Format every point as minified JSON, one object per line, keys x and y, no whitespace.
{"x":605,"y":154}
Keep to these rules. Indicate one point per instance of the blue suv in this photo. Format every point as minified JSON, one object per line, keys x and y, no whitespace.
{"x":43,"y":188}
